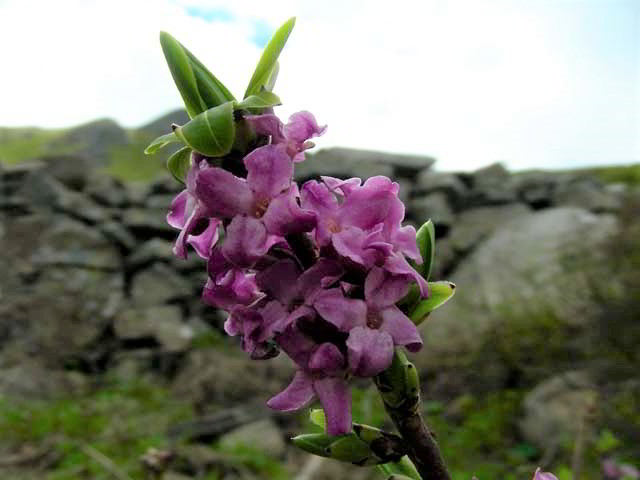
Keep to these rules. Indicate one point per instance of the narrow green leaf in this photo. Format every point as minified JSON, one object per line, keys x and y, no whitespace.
{"x":266,"y":66}
{"x":317,"y":417}
{"x":211,"y":132}
{"x":439,"y":294}
{"x":182,"y":74}
{"x":273,"y":76}
{"x":426,"y":239}
{"x":263,"y":99}
{"x":161,"y":142}
{"x":211,"y":90}
{"x":179,"y":163}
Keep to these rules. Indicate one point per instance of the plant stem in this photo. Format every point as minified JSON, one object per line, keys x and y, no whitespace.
{"x":423,"y":448}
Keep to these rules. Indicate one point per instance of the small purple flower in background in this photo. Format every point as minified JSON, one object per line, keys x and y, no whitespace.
{"x":614,"y":470}
{"x":538,"y":475}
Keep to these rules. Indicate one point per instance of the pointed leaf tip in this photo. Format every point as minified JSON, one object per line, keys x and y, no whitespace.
{"x":268,"y":61}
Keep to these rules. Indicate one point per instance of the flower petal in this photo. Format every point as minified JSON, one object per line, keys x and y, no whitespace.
{"x":223,"y":194}
{"x":246,"y":241}
{"x":316,"y":197}
{"x":285,"y":217}
{"x":302,"y":126}
{"x":298,"y":394}
{"x":267,"y":124}
{"x":374,"y":202}
{"x":322,"y":274}
{"x":344,"y":313}
{"x":382,"y":289}
{"x":370,"y":351}
{"x":326,"y":359}
{"x":401,"y":328}
{"x":269,"y":171}
{"x":177,"y":215}
{"x":543,"y":475}
{"x":203,"y":242}
{"x":335,"y":397}
{"x":337,"y":185}
{"x":296,"y":344}
{"x":278,"y":280}
{"x":404,"y":239}
{"x":398,"y":265}
{"x":350,"y":242}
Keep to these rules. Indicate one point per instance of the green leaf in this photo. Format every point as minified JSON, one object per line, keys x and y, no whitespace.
{"x":161,"y":142}
{"x":179,"y":163}
{"x":426,"y":239}
{"x":318,"y":418}
{"x":315,"y":443}
{"x":211,"y":90}
{"x":273,"y":76}
{"x":353,"y":450}
{"x":182,"y":73}
{"x":263,"y":99}
{"x":210,"y":133}
{"x":439,"y":294}
{"x":392,"y":383}
{"x":267,"y":65}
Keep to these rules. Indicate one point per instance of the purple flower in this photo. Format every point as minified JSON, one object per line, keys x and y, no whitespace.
{"x":375,"y":325}
{"x":363,"y":223}
{"x":295,"y":290}
{"x":266,"y":194}
{"x":321,"y":374}
{"x":294,"y":135}
{"x":538,"y":475}
{"x":228,"y":286}
{"x":192,"y":217}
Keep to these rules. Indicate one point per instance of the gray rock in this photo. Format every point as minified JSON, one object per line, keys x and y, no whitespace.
{"x":151,"y":251}
{"x":554,"y":410}
{"x":589,"y":195}
{"x":263,"y":435}
{"x":163,"y":323}
{"x":403,"y":165}
{"x":31,"y":380}
{"x":107,"y":190}
{"x":68,"y":242}
{"x":473,"y":226}
{"x":492,"y":185}
{"x":537,"y":188}
{"x":530,"y":265}
{"x":160,"y":201}
{"x":429,"y":181}
{"x":434,"y":206}
{"x":221,"y":376}
{"x":61,"y":311}
{"x":148,"y":223}
{"x":44,"y":193}
{"x":341,"y":163}
{"x":71,"y":170}
{"x":157,"y":285}
{"x":118,"y":234}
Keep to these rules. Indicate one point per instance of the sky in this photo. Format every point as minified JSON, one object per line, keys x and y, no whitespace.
{"x":530,"y":83}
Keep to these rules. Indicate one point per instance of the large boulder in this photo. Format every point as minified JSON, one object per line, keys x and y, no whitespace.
{"x":473,"y":226}
{"x":534,"y":263}
{"x":554,"y":410}
{"x":162,"y":323}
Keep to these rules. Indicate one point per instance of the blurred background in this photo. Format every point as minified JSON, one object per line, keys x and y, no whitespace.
{"x":514,"y":125}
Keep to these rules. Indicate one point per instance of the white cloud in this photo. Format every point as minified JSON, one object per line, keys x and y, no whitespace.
{"x":471,"y":82}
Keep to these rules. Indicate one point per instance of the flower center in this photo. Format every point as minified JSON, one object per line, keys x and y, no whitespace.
{"x":260,"y":207}
{"x":374,"y":320}
{"x":333,"y":226}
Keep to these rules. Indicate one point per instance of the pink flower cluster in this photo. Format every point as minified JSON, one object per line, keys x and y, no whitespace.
{"x":314,"y":271}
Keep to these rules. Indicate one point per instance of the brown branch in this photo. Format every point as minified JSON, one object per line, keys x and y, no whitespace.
{"x":423,"y":448}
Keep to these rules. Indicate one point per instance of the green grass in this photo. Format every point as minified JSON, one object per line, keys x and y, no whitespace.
{"x":20,"y":144}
